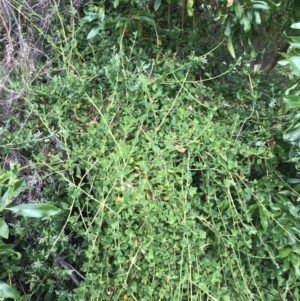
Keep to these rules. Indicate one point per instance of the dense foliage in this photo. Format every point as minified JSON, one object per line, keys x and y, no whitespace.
{"x":168,"y":137}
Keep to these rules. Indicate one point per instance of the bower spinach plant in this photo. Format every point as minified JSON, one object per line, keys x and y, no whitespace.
{"x":10,"y":188}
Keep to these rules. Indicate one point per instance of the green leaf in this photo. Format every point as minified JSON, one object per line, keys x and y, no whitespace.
{"x":285,"y":202}
{"x":293,"y":101}
{"x":7,"y":291}
{"x":296,"y":119}
{"x":156,"y":149}
{"x":257,"y":17}
{"x":293,"y":41}
{"x":94,"y":32}
{"x":295,"y":64}
{"x":90,"y":16}
{"x":286,"y":264}
{"x":35,"y":210}
{"x":263,"y":218}
{"x":238,"y":10}
{"x":284,"y":253}
{"x":122,"y":23}
{"x":14,"y":169}
{"x":283,"y":62}
{"x":293,"y":181}
{"x":297,"y":271}
{"x":246,"y":22}
{"x":5,"y":176}
{"x":261,"y":5}
{"x":121,"y":20}
{"x":6,"y":198}
{"x":4,"y":231}
{"x":157,"y":4}
{"x":147,"y":20}
{"x":203,"y":287}
{"x":230,"y":47}
{"x":296,"y":25}
{"x":292,"y":134}
{"x":116,"y":3}
{"x":18,"y":187}
{"x":190,"y":7}
{"x":8,"y":250}
{"x":227,"y":31}
{"x":295,"y":260}
{"x":296,"y":249}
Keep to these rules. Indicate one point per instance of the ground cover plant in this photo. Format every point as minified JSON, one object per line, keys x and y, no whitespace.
{"x":169,"y":156}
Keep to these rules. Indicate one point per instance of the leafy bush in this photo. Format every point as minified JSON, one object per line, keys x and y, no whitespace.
{"x":176,"y":193}
{"x":175,"y":184}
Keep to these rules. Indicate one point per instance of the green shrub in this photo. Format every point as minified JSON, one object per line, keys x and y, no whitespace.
{"x":176,"y":193}
{"x":173,"y":189}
